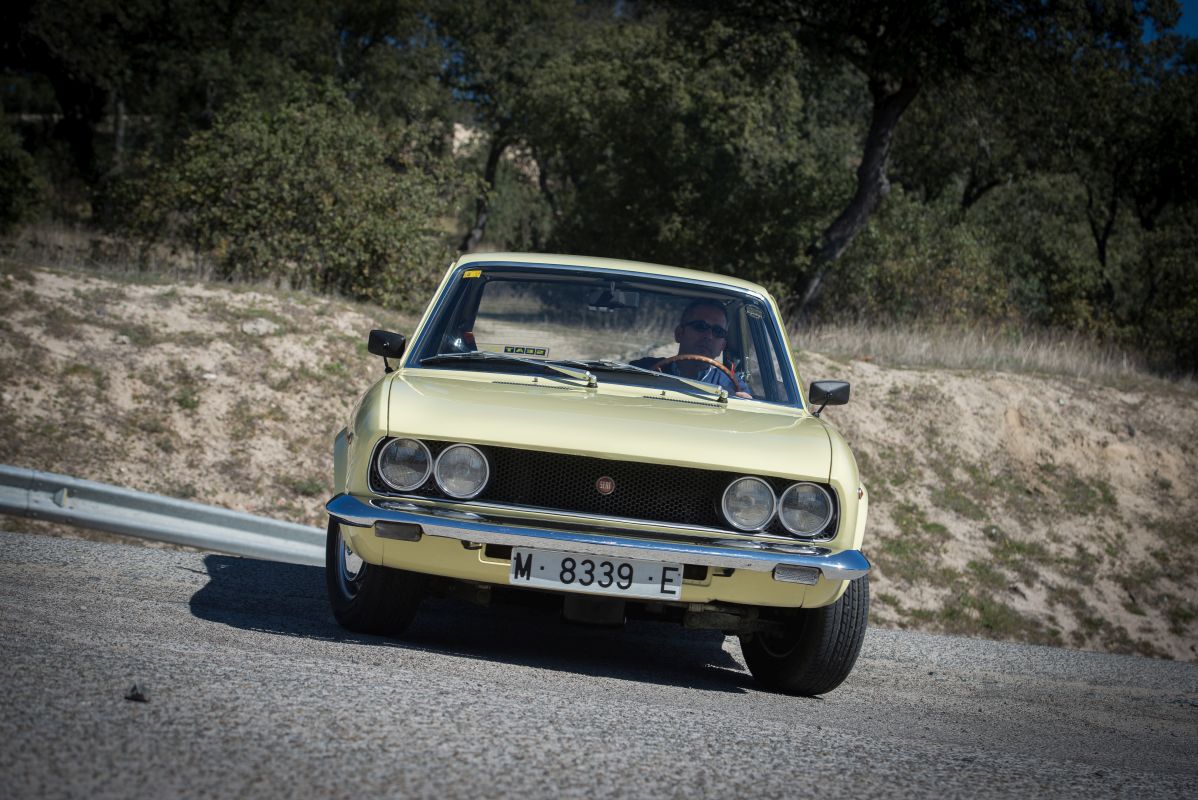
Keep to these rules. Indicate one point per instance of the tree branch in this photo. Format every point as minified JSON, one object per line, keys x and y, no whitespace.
{"x":482,"y":204}
{"x":872,"y":184}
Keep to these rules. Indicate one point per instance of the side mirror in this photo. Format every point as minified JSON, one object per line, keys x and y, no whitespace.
{"x":828,"y":393}
{"x":386,"y":344}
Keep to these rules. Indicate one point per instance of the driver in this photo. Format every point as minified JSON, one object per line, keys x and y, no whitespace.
{"x":702,"y":331}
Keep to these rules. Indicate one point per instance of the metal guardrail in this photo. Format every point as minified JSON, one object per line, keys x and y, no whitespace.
{"x":101,"y":506}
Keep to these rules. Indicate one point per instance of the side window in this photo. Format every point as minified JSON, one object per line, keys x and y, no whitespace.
{"x":747,"y":363}
{"x":772,"y":385}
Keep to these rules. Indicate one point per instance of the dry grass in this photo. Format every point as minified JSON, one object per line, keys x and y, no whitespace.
{"x":54,"y":245}
{"x":985,"y":349}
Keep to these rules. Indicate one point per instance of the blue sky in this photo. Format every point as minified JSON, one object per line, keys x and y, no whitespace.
{"x":1189,"y":18}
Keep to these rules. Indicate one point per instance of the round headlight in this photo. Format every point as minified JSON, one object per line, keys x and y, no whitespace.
{"x":805,"y":509}
{"x":749,"y":503}
{"x":462,"y":471}
{"x":404,"y":464}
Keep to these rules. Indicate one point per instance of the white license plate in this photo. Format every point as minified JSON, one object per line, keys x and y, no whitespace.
{"x":579,"y":572}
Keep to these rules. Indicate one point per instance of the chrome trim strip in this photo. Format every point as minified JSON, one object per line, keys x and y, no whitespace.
{"x":689,"y":549}
{"x":642,"y":526}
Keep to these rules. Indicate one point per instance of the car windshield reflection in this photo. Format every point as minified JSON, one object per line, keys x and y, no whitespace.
{"x":588,"y":326}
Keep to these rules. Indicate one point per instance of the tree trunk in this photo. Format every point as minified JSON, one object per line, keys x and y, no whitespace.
{"x":872,"y":185}
{"x":1102,"y":221}
{"x":482,"y":205}
{"x":82,"y":104}
{"x":975,"y":190}
{"x":118,"y":143}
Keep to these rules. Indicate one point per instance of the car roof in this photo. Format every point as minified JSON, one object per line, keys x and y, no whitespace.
{"x":614,"y":264}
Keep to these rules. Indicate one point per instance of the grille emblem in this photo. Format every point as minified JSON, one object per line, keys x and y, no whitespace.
{"x":605,"y":485}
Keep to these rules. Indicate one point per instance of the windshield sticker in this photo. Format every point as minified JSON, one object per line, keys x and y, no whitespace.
{"x":515,"y":350}
{"x":520,"y":350}
{"x":472,"y":273}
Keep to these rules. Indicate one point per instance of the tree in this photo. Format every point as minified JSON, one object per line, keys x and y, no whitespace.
{"x":311,"y":193}
{"x":495,"y":50}
{"x":903,"y":48}
{"x":660,"y":149}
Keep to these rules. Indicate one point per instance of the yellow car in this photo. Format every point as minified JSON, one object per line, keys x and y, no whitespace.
{"x":631,"y":438}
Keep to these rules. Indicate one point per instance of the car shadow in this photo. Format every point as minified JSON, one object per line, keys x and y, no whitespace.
{"x":290,"y":600}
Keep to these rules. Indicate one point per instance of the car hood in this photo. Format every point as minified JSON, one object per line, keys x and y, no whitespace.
{"x":613,"y":421}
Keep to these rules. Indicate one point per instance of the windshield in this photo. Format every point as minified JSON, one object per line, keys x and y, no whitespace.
{"x":574,"y":324}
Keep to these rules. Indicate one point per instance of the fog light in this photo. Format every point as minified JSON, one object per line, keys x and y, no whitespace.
{"x":808,"y":576}
{"x":400,"y":531}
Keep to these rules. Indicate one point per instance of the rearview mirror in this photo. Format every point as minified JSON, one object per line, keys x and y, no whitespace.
{"x":613,"y":299}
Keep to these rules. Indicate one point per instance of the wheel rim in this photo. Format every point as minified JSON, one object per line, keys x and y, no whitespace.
{"x":777,"y":646}
{"x":350,"y":568}
{"x":781,"y":644}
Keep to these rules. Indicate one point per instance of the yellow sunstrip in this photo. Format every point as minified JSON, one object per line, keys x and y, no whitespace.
{"x":472,"y":273}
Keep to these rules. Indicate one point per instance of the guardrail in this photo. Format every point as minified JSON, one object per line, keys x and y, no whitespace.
{"x":101,"y":506}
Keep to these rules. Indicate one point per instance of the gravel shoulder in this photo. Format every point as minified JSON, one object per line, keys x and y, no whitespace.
{"x":253,"y":688}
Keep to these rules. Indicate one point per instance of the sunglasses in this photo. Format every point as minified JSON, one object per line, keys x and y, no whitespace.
{"x":703,"y":326}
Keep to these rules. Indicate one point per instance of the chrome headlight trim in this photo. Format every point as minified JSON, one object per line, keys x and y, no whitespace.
{"x":428,"y":461}
{"x":817,"y":530}
{"x":486,"y":471}
{"x":765,"y":522}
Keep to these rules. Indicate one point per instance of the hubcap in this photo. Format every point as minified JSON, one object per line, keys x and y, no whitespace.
{"x":350,"y":568}
{"x":777,"y":646}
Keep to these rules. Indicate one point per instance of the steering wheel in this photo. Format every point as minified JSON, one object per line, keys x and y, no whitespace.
{"x":660,"y":365}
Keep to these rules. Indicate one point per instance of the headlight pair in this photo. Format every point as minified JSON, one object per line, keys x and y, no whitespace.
{"x":461,"y":470}
{"x":804,"y":509}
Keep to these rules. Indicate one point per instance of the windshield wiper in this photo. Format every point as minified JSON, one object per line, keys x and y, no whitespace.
{"x":711,"y":390}
{"x":484,"y":355}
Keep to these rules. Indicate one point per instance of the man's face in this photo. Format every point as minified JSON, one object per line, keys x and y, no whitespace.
{"x":692,"y":341}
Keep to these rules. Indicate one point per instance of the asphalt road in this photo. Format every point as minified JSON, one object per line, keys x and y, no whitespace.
{"x":252,"y":688}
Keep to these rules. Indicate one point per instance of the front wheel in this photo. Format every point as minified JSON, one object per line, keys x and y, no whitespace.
{"x":368,"y":598}
{"x":816,"y":650}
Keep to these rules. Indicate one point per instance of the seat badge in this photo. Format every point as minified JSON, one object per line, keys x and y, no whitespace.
{"x":605,"y":485}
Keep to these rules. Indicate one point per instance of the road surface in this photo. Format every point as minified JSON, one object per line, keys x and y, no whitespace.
{"x":252,"y":688}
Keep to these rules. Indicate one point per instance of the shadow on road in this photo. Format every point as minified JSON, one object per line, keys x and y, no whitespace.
{"x":290,"y":600}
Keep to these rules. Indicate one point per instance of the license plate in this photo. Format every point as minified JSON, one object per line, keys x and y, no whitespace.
{"x":579,"y":572}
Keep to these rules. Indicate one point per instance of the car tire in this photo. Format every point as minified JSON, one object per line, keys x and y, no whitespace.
{"x":817,"y":650}
{"x":368,"y":598}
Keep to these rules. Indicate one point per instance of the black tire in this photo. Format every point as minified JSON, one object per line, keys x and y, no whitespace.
{"x":370,"y":598}
{"x":818,"y":649}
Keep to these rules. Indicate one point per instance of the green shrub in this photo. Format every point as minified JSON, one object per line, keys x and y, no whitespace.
{"x":918,"y":261}
{"x":20,"y":184}
{"x":310,"y":193}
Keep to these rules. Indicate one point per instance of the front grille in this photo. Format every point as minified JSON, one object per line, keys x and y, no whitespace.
{"x":553,"y":481}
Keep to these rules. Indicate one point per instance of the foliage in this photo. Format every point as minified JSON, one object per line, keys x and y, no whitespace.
{"x":312,"y":193}
{"x":919,"y":262}
{"x":928,"y":162}
{"x":20,"y":184}
{"x":654,"y":150}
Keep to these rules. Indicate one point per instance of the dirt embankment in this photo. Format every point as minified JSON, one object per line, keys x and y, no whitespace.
{"x":1010,"y":506}
{"x":1036,"y":508}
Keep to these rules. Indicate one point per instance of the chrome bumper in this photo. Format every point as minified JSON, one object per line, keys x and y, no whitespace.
{"x":702,"y":551}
